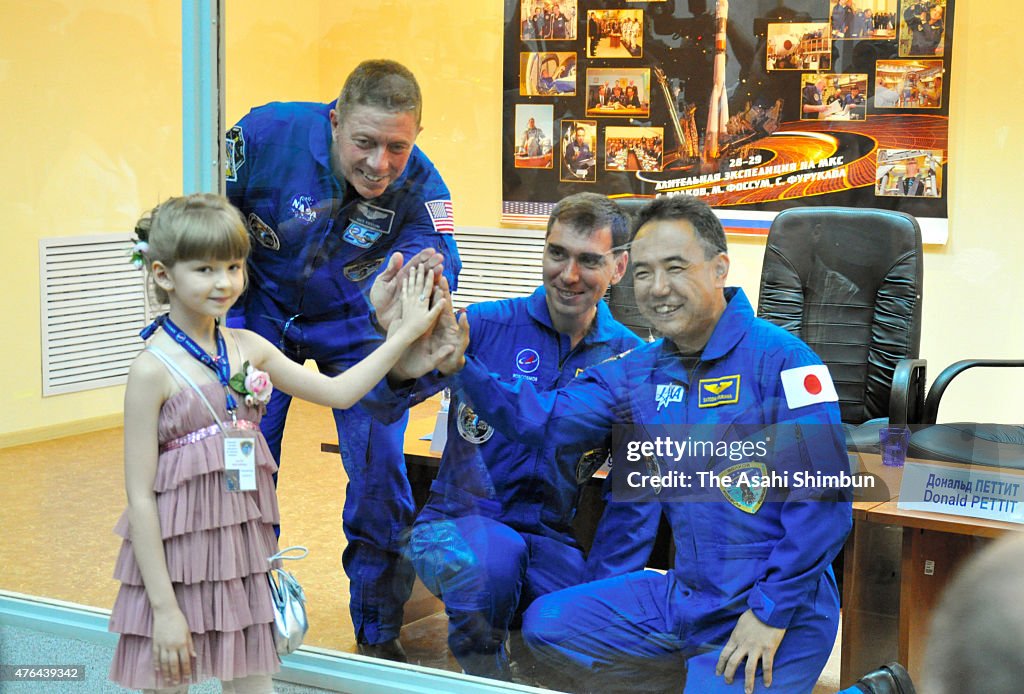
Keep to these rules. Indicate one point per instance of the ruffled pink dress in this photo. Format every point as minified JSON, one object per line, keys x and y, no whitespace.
{"x":216,"y":544}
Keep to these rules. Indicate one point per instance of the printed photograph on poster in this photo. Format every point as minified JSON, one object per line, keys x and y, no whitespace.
{"x":628,"y":148}
{"x":863,"y":19}
{"x":534,"y":123}
{"x":619,"y":92}
{"x":547,"y":74}
{"x":548,"y":19}
{"x":908,"y":173}
{"x":752,"y":121}
{"x":908,"y":83}
{"x":615,"y":33}
{"x":833,"y":97}
{"x":803,"y":46}
{"x":579,"y":151}
{"x":922,"y":28}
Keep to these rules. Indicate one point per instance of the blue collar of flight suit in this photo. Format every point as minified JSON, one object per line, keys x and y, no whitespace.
{"x":732,"y":326}
{"x":601,"y":329}
{"x":320,"y":148}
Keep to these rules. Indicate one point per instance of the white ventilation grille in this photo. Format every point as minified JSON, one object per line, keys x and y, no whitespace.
{"x":92,"y":304}
{"x":498,"y":263}
{"x":92,"y":310}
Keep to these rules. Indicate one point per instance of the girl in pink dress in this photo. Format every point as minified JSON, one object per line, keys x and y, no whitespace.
{"x":194,"y":600}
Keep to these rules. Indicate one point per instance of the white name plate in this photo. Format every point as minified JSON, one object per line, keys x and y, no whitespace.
{"x":440,"y":437}
{"x":960,"y":490}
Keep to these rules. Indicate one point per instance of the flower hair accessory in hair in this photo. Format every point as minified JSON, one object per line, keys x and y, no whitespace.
{"x":253,"y":384}
{"x":139,"y":252}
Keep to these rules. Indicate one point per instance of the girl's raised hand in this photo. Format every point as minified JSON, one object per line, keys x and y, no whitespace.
{"x":419,"y":313}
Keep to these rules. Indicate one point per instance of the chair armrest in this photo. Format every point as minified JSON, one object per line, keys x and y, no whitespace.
{"x":931,"y":403}
{"x":906,"y":399}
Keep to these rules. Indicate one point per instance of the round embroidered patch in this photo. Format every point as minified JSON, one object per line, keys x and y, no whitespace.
{"x":471,"y":427}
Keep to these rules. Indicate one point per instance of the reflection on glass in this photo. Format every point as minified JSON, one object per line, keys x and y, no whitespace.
{"x":122,"y":154}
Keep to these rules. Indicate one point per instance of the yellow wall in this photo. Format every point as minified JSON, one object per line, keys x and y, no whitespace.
{"x":92,"y":137}
{"x":453,"y":49}
{"x":273,"y":53}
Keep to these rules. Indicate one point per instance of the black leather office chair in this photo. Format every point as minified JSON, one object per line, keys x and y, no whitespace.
{"x":848,"y":282}
{"x":620,"y":297}
{"x":977,"y":443}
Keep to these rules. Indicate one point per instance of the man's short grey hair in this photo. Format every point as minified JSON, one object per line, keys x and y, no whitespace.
{"x":383,"y":84}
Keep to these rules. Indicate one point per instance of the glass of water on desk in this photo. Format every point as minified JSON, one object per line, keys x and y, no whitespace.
{"x":894,"y":441}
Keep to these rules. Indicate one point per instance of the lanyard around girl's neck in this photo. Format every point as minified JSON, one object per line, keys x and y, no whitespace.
{"x":220,"y":365}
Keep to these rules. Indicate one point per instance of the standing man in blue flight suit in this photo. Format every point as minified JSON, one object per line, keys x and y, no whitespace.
{"x":752,"y":581}
{"x":329,"y":192}
{"x":496,"y":531}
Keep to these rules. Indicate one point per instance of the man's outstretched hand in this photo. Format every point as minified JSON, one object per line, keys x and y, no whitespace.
{"x":453,"y":340}
{"x":443,"y":348}
{"x":385,"y":292}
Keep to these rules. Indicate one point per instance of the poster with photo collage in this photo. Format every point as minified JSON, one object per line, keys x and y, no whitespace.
{"x":813,"y":102}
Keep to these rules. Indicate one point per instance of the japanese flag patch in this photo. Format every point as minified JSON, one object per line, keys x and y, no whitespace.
{"x":808,"y":385}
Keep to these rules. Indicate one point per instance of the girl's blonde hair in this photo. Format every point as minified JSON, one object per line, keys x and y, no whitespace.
{"x":201,"y":226}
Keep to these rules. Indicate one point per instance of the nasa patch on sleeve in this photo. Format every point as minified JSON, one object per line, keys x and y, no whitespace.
{"x":234,"y":143}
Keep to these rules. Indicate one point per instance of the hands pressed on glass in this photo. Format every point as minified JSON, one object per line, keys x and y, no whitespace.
{"x":386,"y":289}
{"x":443,"y":346}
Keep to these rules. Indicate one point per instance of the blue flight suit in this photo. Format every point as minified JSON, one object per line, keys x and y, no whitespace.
{"x":842,"y":20}
{"x":811,"y":97}
{"x":496,"y":531}
{"x":317,"y":246}
{"x":770,"y":552}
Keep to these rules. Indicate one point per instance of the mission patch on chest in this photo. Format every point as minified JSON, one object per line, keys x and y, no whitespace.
{"x":724,"y":390}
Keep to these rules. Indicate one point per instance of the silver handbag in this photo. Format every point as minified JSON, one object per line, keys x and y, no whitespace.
{"x":290,"y":622}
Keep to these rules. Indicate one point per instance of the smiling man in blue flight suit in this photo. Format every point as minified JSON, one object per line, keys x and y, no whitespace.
{"x":752,"y":588}
{"x":496,"y":531}
{"x":329,"y":192}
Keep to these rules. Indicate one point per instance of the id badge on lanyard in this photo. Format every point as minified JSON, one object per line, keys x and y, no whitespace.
{"x":239,"y":460}
{"x":239,"y":444}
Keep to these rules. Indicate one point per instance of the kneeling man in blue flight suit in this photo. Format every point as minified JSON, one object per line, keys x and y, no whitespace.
{"x":752,"y":585}
{"x":496,"y":531}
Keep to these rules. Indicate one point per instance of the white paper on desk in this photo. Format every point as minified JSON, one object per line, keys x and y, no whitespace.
{"x":440,"y":435}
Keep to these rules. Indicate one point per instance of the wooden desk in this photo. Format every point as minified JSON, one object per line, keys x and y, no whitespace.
{"x":897,"y":563}
{"x":421,"y":463}
{"x":421,"y":422}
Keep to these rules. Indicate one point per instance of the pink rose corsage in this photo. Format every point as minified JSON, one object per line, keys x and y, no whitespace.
{"x":253,"y":384}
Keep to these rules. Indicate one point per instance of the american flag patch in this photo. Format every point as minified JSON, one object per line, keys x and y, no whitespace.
{"x":440,"y":212}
